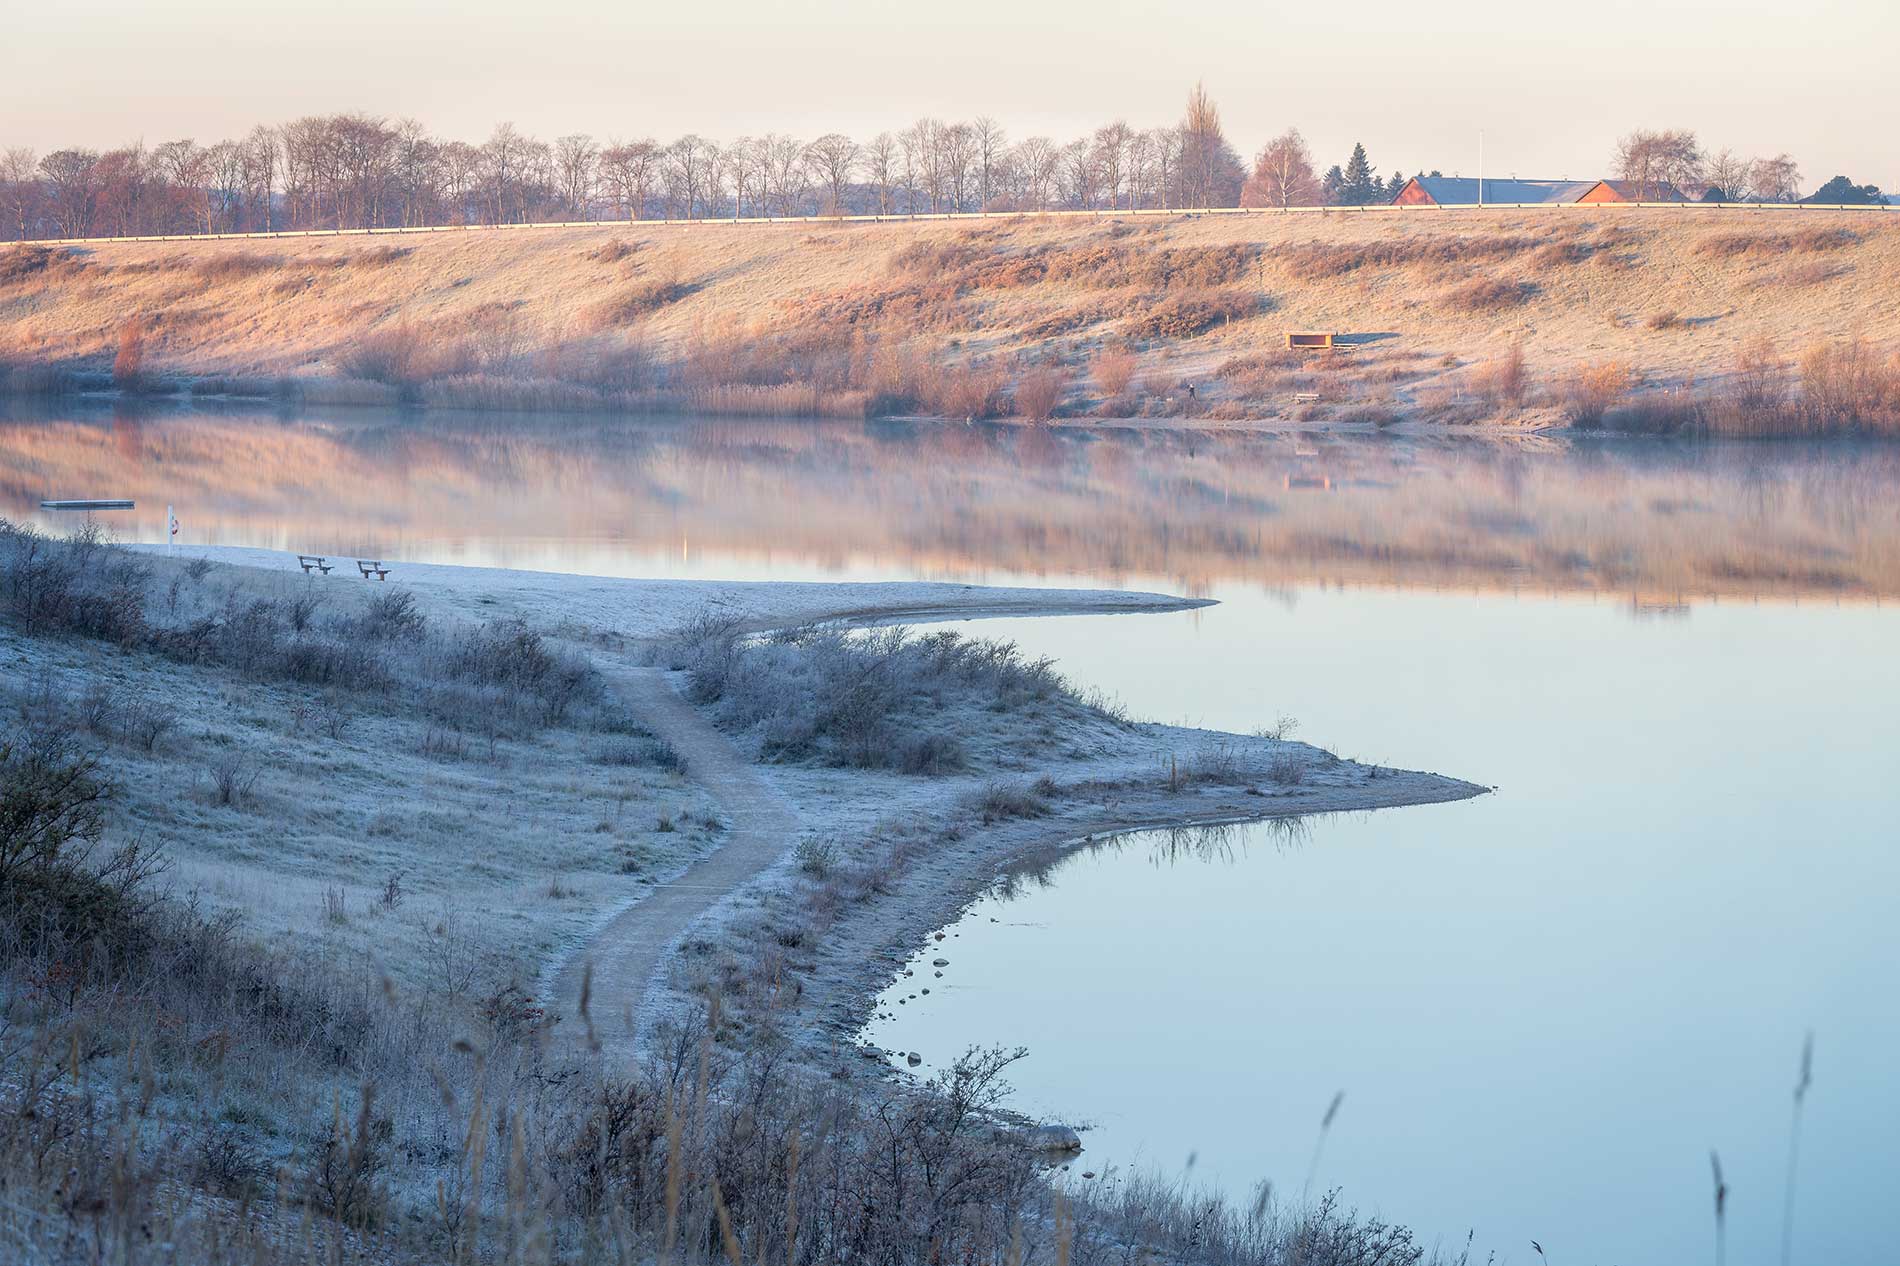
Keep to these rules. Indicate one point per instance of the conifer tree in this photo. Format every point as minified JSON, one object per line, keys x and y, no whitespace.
{"x":1359,"y":186}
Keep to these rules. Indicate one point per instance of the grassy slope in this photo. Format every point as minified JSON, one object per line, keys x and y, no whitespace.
{"x":299,"y":306}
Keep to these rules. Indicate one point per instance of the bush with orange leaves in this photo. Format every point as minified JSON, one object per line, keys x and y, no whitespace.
{"x":1593,"y":390}
{"x":1040,"y":391}
{"x":128,"y":366}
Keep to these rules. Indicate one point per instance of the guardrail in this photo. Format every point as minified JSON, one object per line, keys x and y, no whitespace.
{"x":923,"y":216}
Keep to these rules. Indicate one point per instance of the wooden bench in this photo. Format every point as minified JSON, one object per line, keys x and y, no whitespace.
{"x":313,"y":562}
{"x":1313,"y":339}
{"x":373,"y":568}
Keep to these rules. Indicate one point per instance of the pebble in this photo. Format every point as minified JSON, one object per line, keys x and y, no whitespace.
{"x":913,"y":1059}
{"x":939,"y":962}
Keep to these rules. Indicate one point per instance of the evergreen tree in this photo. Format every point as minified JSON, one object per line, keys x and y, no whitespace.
{"x":1332,"y":184}
{"x":1359,"y":186}
{"x":1393,"y":184}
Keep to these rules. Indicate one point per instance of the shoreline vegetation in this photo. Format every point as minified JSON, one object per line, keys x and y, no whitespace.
{"x":1634,"y":322}
{"x":268,"y":944}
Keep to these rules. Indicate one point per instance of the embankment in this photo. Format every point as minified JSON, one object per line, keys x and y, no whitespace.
{"x":1452,"y":316}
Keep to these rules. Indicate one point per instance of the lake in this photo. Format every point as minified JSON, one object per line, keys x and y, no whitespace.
{"x":1679,"y":665}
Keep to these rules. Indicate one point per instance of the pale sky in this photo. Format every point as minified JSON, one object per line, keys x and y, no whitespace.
{"x":1551,"y":86}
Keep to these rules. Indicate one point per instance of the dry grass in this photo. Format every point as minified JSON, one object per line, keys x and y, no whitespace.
{"x":1187,"y":314}
{"x":944,"y":307}
{"x":1489,"y":294}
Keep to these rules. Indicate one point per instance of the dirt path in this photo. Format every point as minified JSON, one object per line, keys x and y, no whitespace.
{"x":628,"y":950}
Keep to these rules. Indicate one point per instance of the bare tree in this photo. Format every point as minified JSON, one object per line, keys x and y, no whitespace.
{"x":786,"y":177}
{"x":1201,"y":142}
{"x":1727,"y":174}
{"x":629,"y":169}
{"x":1775,"y":179}
{"x":416,"y":160}
{"x":1653,"y":161}
{"x":260,"y":176}
{"x":20,"y":187}
{"x":833,"y":157}
{"x":1038,"y":160}
{"x":1111,"y":159}
{"x":72,"y":182}
{"x":925,"y":146}
{"x":1283,"y":175}
{"x":881,"y":160}
{"x":1165,"y":145}
{"x":577,"y":162}
{"x":1077,"y":174}
{"x":992,"y":146}
{"x":958,"y":147}
{"x":686,"y":161}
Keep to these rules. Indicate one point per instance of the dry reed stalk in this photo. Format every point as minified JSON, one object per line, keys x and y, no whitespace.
{"x":1325,"y":1127}
{"x":1801,"y":1085}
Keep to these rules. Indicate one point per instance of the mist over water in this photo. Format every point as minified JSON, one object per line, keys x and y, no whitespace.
{"x":1545,"y":1006}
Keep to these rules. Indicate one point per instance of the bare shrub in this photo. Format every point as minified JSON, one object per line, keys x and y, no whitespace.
{"x":145,"y":721}
{"x":817,"y":858}
{"x":1113,"y":371}
{"x":1317,"y":261}
{"x":394,"y":355}
{"x":637,"y":300}
{"x":1490,"y":294}
{"x":232,"y":777}
{"x":832,"y":696}
{"x":1040,"y":391}
{"x":1504,"y":380}
{"x":128,"y":363}
{"x":380,"y":256}
{"x":392,"y":614}
{"x":1591,"y":391}
{"x":1185,"y":314}
{"x":237,"y":265}
{"x":999,"y":801}
{"x":1668,"y":320}
{"x":612,"y":252}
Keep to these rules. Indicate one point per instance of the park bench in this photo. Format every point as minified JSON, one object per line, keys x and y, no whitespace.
{"x":313,"y":562}
{"x":372,"y":568}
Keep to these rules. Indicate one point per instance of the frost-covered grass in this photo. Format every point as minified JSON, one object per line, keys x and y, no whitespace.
{"x":935,"y":703}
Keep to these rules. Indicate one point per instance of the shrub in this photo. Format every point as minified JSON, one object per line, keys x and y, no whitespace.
{"x":1593,"y":390}
{"x":1503,"y":381}
{"x":128,"y":363}
{"x":52,"y":799}
{"x":1113,"y":371}
{"x":636,"y":301}
{"x":1040,"y":391}
{"x":1660,"y":321}
{"x":999,"y":801}
{"x":1186,"y":314}
{"x":237,"y":265}
{"x":817,"y":858}
{"x":1489,"y":294}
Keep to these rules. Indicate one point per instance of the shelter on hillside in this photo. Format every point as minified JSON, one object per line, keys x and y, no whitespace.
{"x":1462,"y":191}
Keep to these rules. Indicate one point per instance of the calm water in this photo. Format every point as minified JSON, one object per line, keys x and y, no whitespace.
{"x":1681,"y":668}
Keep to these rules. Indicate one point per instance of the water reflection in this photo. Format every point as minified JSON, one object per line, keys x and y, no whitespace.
{"x":1661,"y":525}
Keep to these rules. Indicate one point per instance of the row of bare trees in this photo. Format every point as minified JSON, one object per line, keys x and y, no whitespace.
{"x":1673,"y":158}
{"x":359,"y":171}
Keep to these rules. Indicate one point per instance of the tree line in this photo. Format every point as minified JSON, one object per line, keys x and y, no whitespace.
{"x":361,"y":171}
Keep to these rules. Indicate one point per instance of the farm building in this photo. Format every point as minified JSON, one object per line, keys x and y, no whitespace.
{"x":1632,"y":191}
{"x":1457,"y":191}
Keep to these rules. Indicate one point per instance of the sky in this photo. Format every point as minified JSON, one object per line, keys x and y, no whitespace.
{"x":1551,"y":87}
